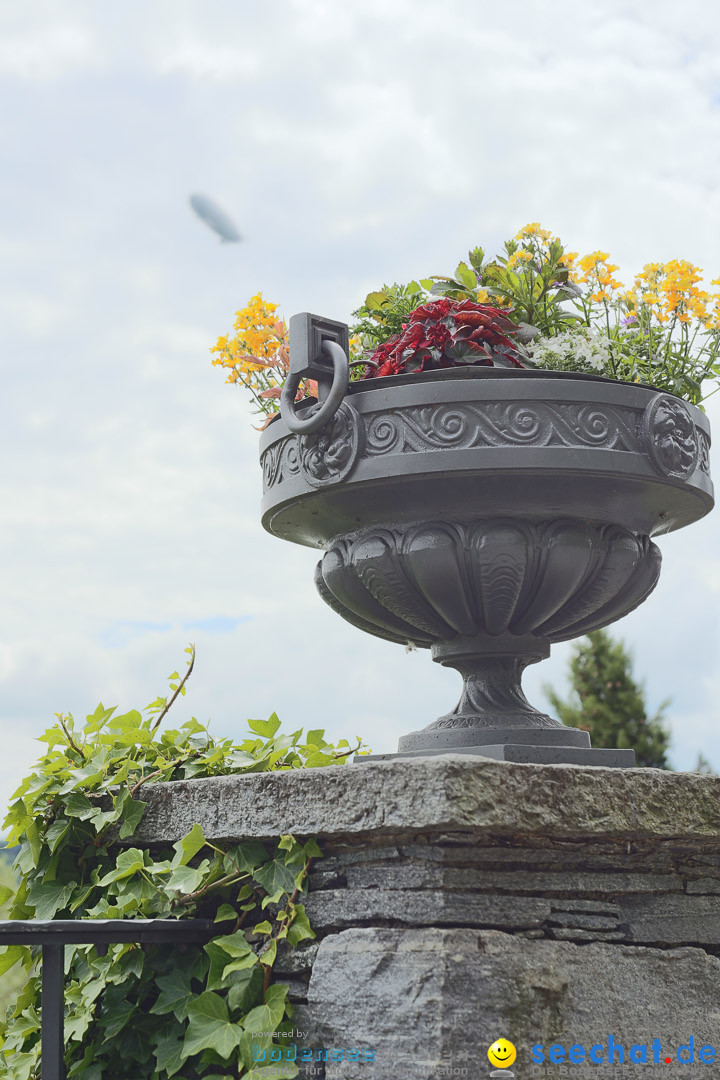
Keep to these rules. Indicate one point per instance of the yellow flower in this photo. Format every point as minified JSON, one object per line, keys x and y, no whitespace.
{"x":519,"y":256}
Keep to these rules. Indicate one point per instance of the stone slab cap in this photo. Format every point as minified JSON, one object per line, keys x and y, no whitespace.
{"x":450,"y":793}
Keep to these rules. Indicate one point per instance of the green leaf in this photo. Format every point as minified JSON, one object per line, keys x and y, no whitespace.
{"x":225,"y":912}
{"x":5,"y":893}
{"x":267,"y":1017}
{"x":244,"y":963}
{"x":312,"y":849}
{"x":175,"y":994}
{"x":466,"y":276}
{"x":78,"y":805}
{"x":266,"y":728}
{"x":246,"y":856}
{"x":299,"y":929}
{"x":168,"y":1053}
{"x":275,"y":878}
{"x":210,"y":1027}
{"x":132,"y":816}
{"x":186,"y":879}
{"x":50,"y":898}
{"x":56,"y":834}
{"x":116,"y":1011}
{"x":268,"y":957}
{"x":376,"y":300}
{"x":188,"y":847}
{"x":246,"y":989}
{"x":128,"y":862}
{"x":33,"y":837}
{"x":11,"y":955}
{"x":233,"y":944}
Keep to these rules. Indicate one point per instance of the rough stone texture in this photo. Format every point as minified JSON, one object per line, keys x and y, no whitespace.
{"x":460,"y":900}
{"x":439,"y":793}
{"x":433,"y":999}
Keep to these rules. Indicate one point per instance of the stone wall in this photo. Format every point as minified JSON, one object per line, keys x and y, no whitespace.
{"x":461,"y":900}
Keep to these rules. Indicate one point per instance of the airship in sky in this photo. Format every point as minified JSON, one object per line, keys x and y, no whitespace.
{"x":216,"y":218}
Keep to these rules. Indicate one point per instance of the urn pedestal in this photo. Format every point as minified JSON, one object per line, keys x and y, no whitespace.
{"x":484,"y":514}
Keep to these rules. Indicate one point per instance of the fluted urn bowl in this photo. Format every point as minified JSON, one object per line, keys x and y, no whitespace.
{"x":485,"y":513}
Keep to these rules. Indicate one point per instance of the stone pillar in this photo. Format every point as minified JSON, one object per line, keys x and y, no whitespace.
{"x":461,"y":900}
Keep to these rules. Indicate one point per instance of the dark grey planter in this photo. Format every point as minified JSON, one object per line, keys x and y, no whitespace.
{"x":486,"y":513}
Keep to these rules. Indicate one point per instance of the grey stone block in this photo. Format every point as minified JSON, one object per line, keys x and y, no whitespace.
{"x":425,"y":874}
{"x":342,"y":908}
{"x":431,"y":999}
{"x":438,"y":795}
{"x":704,"y":885}
{"x":671,"y":919}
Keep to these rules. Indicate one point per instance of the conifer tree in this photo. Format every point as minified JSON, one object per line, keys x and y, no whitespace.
{"x":606,"y":701}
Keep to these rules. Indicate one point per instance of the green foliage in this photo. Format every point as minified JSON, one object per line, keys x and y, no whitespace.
{"x":11,"y":982}
{"x":159,"y":1011}
{"x":383,"y":314}
{"x":607,"y":702}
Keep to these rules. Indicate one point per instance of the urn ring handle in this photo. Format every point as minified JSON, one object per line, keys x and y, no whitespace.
{"x":318,"y":350}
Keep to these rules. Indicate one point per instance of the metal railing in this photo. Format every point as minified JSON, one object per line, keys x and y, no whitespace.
{"x":54,"y":935}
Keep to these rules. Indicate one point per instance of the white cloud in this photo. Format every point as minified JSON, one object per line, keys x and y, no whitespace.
{"x":47,"y":52}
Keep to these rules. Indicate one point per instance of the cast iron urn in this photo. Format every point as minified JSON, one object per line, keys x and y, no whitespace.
{"x":482,"y":513}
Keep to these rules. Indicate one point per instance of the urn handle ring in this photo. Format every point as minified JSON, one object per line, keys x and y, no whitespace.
{"x":318,"y":350}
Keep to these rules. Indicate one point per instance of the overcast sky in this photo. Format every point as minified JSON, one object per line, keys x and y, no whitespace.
{"x":353,"y":143}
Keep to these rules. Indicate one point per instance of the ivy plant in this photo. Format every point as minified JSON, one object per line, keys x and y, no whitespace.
{"x":155,"y":1012}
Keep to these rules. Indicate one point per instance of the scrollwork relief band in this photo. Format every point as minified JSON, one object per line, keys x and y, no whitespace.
{"x":515,"y":423}
{"x":664,"y":431}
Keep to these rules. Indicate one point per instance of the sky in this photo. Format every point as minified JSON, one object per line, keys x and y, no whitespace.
{"x":353,"y":144}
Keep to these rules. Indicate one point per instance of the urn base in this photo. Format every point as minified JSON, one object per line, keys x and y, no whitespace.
{"x":525,"y":753}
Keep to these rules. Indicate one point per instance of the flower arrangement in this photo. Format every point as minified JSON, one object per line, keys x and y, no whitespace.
{"x":536,"y":305}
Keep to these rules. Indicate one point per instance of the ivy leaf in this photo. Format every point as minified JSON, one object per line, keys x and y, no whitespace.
{"x":33,"y":837}
{"x":168,"y":1053}
{"x":246,"y":857}
{"x":275,"y":878}
{"x":49,"y":898}
{"x":268,"y":1016}
{"x":11,"y":955}
{"x":312,"y":850}
{"x":128,"y":862}
{"x":189,"y":846}
{"x":299,"y":929}
{"x":246,"y":962}
{"x":233,"y":944}
{"x":246,"y":989}
{"x":56,"y":834}
{"x":266,"y":728}
{"x":132,"y":816}
{"x":225,"y":912}
{"x":116,"y":1011}
{"x":175,"y":994}
{"x":186,"y":879}
{"x":210,"y":1027}
{"x":5,"y":893}
{"x":267,"y":958}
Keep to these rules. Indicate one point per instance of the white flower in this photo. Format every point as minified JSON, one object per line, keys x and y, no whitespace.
{"x":579,"y":349}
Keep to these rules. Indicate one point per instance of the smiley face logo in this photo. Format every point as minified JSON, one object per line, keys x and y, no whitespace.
{"x":502,"y":1053}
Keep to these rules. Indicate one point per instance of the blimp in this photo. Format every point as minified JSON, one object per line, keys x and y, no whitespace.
{"x":216,"y":218}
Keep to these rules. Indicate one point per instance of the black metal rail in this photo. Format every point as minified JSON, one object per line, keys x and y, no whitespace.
{"x":54,"y":935}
